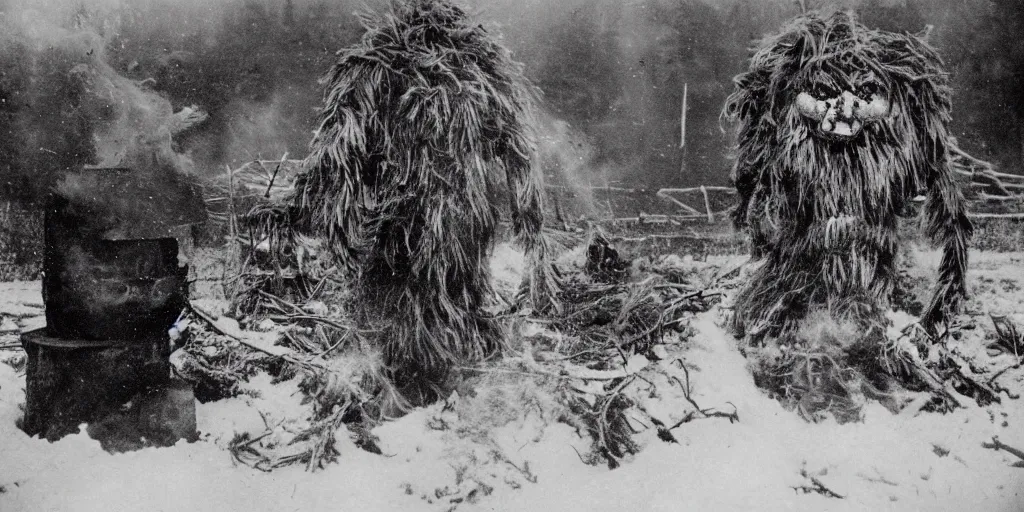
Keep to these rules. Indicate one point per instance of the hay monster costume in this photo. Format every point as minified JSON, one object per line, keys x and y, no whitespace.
{"x":840,"y":128}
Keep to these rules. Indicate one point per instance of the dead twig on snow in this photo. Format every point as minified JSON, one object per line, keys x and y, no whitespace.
{"x":705,"y":413}
{"x":816,"y":486}
{"x":997,"y":445}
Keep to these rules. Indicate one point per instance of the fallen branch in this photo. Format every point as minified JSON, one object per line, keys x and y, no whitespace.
{"x":996,"y":215}
{"x":656,"y":219}
{"x":997,"y":445}
{"x":281,"y":301}
{"x":727,"y":190}
{"x":734,"y":416}
{"x":983,"y":391}
{"x":633,"y":366}
{"x":270,"y":350}
{"x":314,"y":318}
{"x":915,"y":405}
{"x":905,"y":350}
{"x":273,"y":178}
{"x":817,"y":487}
{"x":877,"y":480}
{"x":242,"y":451}
{"x":604,"y":431}
{"x":1000,"y":388}
{"x":596,"y":187}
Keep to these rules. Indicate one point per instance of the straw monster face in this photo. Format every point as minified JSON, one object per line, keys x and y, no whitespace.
{"x":839,"y":111}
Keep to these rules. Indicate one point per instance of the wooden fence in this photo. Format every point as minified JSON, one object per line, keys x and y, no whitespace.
{"x":993,"y":195}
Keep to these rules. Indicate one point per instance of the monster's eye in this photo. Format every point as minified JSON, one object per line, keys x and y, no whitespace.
{"x":869,"y":89}
{"x":824,"y":91}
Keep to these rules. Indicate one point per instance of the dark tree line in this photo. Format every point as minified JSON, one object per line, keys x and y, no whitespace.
{"x":985,"y":50}
{"x":613,"y":70}
{"x":233,"y":63}
{"x":258,"y":52}
{"x":633,"y":69}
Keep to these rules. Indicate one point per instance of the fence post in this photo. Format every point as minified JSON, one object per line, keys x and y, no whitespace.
{"x":707,"y":204}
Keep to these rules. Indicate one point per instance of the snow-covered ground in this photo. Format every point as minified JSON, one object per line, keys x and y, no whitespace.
{"x":929,"y":462}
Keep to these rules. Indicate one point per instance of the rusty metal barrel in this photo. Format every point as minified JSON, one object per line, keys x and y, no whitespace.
{"x":115,"y":281}
{"x":100,"y":289}
{"x":111,"y":267}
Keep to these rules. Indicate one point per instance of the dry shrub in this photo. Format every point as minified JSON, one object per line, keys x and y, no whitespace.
{"x":813,"y":372}
{"x":494,"y":399}
{"x":358,"y":381}
{"x":605,"y":422}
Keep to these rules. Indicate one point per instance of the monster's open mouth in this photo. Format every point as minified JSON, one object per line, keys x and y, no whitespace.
{"x":840,"y":129}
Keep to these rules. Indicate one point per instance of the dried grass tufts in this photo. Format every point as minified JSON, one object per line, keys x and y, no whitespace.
{"x":606,"y":423}
{"x":832,"y":367}
{"x":810,"y":371}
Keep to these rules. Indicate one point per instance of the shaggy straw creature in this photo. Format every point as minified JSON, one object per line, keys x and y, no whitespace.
{"x":840,"y":127}
{"x":423,"y":140}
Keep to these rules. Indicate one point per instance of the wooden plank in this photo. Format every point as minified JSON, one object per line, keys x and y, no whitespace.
{"x":656,"y":219}
{"x":679,"y":203}
{"x":1003,"y":175}
{"x":996,"y":215}
{"x":728,"y":190}
{"x":989,"y":197}
{"x":593,"y":187}
{"x":707,"y":204}
{"x":682,"y":135}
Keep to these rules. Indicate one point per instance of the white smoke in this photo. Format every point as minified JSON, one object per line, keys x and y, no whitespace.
{"x":131,"y":125}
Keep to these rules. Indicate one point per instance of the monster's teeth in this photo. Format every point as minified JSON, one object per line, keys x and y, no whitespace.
{"x":843,"y":128}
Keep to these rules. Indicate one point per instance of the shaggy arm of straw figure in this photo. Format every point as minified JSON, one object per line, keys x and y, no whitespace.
{"x":328,"y":194}
{"x":743,"y":178}
{"x":543,"y":281}
{"x":948,"y":224}
{"x":750,"y":199}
